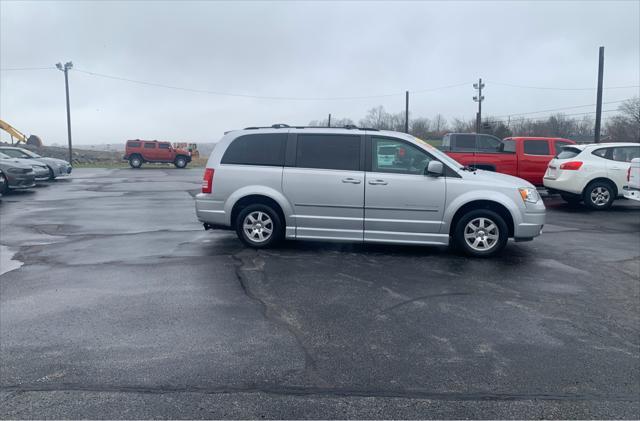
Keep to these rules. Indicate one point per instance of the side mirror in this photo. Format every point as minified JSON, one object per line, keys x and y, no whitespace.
{"x":435,"y":169}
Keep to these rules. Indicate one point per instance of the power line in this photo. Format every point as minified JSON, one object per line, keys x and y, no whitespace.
{"x":550,"y":88}
{"x":517,"y":119}
{"x":281,"y":98}
{"x":560,"y":109}
{"x":11,"y":69}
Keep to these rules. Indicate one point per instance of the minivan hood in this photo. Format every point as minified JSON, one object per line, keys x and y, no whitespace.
{"x":495,"y":177}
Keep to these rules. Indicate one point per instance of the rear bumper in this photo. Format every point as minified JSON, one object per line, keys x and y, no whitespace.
{"x":631,"y":193}
{"x":211,"y":212}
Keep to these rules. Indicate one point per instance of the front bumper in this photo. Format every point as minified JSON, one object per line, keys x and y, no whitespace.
{"x":41,"y":173}
{"x":631,"y":193}
{"x":21,"y":181}
{"x":531,"y":223}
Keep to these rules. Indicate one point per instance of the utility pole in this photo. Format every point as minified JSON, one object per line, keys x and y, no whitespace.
{"x":329,"y":121}
{"x":599,"y":96}
{"x":406,"y":113}
{"x":68,"y":65}
{"x":478,"y":98}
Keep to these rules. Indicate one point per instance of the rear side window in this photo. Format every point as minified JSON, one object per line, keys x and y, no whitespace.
{"x":465,"y":142}
{"x":149,"y":145}
{"x":509,"y":145}
{"x":257,"y":149}
{"x":133,"y":144}
{"x":163,"y":145}
{"x":567,"y":153}
{"x":536,"y":147}
{"x":488,"y":143}
{"x":332,"y":152}
{"x":626,"y":153}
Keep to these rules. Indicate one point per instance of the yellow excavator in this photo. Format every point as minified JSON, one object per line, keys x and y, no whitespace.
{"x":19,"y":136}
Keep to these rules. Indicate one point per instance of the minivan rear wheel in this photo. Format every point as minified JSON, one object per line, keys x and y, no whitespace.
{"x":481,"y":233}
{"x":259,"y":226}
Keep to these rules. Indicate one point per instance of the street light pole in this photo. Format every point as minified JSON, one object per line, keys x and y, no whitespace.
{"x":68,"y":65}
{"x":479,"y":98}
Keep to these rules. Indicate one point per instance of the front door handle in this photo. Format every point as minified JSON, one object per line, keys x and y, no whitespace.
{"x":351,"y":180}
{"x":378,"y":182}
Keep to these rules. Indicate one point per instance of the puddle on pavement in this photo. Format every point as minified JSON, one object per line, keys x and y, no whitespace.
{"x":7,"y":263}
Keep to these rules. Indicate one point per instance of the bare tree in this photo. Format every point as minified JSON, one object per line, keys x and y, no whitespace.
{"x":626,"y":126}
{"x":419,"y":127}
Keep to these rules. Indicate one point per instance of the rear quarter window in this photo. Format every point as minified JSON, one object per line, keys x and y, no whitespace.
{"x":568,"y":153}
{"x":133,"y":144}
{"x":257,"y":149}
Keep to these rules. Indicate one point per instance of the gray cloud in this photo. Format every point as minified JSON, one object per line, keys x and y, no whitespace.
{"x":299,"y":49}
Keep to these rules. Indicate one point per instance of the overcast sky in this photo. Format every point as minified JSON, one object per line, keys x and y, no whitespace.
{"x":300,"y":50}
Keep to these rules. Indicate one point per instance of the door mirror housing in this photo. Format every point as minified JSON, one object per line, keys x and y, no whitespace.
{"x":434,"y":169}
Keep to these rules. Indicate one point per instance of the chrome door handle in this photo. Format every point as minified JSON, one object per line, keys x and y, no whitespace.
{"x":351,"y":180}
{"x":378,"y":183}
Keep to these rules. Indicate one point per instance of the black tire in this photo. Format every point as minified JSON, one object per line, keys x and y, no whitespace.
{"x":52,"y":175}
{"x":180,"y":162}
{"x":270,"y":222}
{"x":135,"y":161}
{"x":572,"y":199}
{"x":496,"y":226}
{"x":599,"y":195}
{"x":4,"y":187}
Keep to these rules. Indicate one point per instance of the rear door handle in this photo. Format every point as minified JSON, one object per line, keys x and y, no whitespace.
{"x":378,"y":182}
{"x":351,"y":180}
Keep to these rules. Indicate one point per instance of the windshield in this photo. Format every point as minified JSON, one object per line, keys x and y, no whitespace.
{"x":31,"y":154}
{"x":3,"y":156}
{"x":442,"y":157}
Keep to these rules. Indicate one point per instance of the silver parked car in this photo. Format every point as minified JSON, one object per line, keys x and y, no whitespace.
{"x":15,"y":175}
{"x":55,"y":167}
{"x":40,"y":170}
{"x":339,"y":184}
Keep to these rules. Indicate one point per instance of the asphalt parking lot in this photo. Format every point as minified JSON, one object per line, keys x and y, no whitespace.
{"x":121,"y":306}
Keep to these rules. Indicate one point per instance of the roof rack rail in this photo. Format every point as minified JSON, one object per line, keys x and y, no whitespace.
{"x":286,"y":126}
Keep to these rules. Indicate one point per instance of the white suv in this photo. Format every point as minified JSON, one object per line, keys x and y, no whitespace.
{"x":594,"y":173}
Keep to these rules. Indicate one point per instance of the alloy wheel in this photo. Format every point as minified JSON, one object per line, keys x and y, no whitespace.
{"x":600,"y":196}
{"x":258,"y":226}
{"x":481,"y":234}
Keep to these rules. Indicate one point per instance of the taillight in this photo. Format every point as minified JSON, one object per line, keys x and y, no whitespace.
{"x":207,"y":181}
{"x":573,"y":165}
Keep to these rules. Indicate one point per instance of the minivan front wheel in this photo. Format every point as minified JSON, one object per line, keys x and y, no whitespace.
{"x":481,"y":233}
{"x":259,"y":226}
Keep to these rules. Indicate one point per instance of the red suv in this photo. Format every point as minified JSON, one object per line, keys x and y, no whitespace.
{"x":139,"y":151}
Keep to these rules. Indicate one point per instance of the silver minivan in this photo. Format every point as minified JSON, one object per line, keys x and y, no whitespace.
{"x":360,"y":185}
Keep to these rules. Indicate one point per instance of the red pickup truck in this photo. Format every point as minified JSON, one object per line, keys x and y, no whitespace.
{"x":524,"y":157}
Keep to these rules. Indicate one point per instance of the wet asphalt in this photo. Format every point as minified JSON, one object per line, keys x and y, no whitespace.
{"x":119,"y":305}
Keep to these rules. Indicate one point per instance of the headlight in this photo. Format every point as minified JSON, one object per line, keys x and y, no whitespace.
{"x":19,"y":170}
{"x":529,"y":194}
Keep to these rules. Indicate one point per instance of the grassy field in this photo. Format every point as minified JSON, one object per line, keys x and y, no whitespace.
{"x":195,"y":163}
